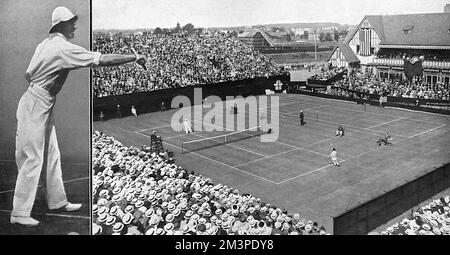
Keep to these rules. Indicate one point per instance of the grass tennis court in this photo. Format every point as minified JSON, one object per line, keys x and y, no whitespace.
{"x":295,"y":171}
{"x":76,"y":183}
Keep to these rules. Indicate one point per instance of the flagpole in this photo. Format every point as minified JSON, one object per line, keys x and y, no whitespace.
{"x":315,"y":44}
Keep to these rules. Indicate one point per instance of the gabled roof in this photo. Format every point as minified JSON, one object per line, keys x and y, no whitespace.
{"x":269,"y":41}
{"x":253,"y":33}
{"x":374,"y":20}
{"x":248,"y":34}
{"x":277,"y":34}
{"x":427,"y":29}
{"x":349,"y":55}
{"x":430,"y":29}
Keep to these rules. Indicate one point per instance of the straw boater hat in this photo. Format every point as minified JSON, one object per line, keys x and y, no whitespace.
{"x":149,"y":212}
{"x":277,"y":224}
{"x":102,"y":210}
{"x":114,"y":210}
{"x":188,"y":214}
{"x":139,"y":203}
{"x":127,"y":218}
{"x":95,"y":208}
{"x":102,"y":217}
{"x":169,"y":226}
{"x":150,"y":231}
{"x":129,"y":209}
{"x":118,"y":226}
{"x":176,"y":212}
{"x":169,"y":217}
{"x":102,"y":202}
{"x":96,"y":229}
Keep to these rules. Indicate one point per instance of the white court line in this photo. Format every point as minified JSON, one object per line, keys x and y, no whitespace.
{"x":416,"y":111}
{"x":283,"y":152}
{"x":153,"y":128}
{"x":227,"y":144}
{"x":55,"y":215}
{"x":430,"y":130}
{"x":315,"y":170}
{"x":73,"y":180}
{"x":337,"y":123}
{"x":298,"y":111}
{"x":380,"y":114}
{"x":170,"y":137}
{"x":218,"y":162}
{"x":340,"y":161}
{"x":349,"y":117}
{"x":310,"y":172}
{"x":292,"y":146}
{"x":385,"y":123}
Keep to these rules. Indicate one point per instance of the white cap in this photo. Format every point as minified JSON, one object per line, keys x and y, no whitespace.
{"x":61,"y":14}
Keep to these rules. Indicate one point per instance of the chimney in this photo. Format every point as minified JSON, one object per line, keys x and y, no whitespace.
{"x":447,"y":8}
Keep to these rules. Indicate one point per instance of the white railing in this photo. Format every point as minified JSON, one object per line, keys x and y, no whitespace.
{"x":388,"y":61}
{"x":399,"y":62}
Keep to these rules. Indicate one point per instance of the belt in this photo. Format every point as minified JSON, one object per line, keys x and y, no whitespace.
{"x":42,"y":94}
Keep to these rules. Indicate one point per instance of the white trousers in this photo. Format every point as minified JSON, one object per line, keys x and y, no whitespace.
{"x":37,"y":149}
{"x":187,"y":128}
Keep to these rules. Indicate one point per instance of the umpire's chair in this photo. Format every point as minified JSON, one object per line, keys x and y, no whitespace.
{"x":156,"y":143}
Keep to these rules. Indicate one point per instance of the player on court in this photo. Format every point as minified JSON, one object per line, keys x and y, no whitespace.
{"x":262,"y":114}
{"x":133,"y":111}
{"x":302,"y":118}
{"x":187,"y":126}
{"x":333,"y":156}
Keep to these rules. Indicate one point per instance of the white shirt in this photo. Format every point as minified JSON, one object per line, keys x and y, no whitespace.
{"x":333,"y":155}
{"x":53,"y":59}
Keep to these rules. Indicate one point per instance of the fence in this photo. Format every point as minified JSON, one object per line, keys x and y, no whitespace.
{"x":151,"y":101}
{"x":419,"y":104}
{"x":369,"y":215}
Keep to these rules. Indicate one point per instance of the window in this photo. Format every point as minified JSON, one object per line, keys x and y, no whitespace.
{"x":408,"y":29}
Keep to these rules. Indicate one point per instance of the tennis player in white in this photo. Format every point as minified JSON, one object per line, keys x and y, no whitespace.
{"x":333,"y":156}
{"x":133,"y":111}
{"x":36,"y":142}
{"x":187,"y":126}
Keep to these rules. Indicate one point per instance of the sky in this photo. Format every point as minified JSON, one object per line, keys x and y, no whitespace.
{"x":127,"y":14}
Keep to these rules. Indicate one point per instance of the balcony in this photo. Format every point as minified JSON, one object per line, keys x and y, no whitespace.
{"x":399,"y":62}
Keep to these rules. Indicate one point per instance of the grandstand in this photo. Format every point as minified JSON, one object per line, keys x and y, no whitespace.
{"x":379,"y":43}
{"x":178,"y":61}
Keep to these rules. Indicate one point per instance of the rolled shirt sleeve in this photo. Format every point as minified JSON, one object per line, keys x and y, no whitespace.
{"x":77,"y":57}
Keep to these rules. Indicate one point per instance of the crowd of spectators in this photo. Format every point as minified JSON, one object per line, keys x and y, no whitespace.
{"x":430,"y":55}
{"x":177,"y":60}
{"x":414,"y":89}
{"x":432,"y":219}
{"x":137,"y":191}
{"x":328,"y":73}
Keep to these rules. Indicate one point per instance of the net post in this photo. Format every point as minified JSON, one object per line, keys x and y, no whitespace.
{"x":182,"y":143}
{"x":364,"y":107}
{"x":317,"y":117}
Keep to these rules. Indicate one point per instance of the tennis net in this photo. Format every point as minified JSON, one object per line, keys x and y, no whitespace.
{"x":208,"y":142}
